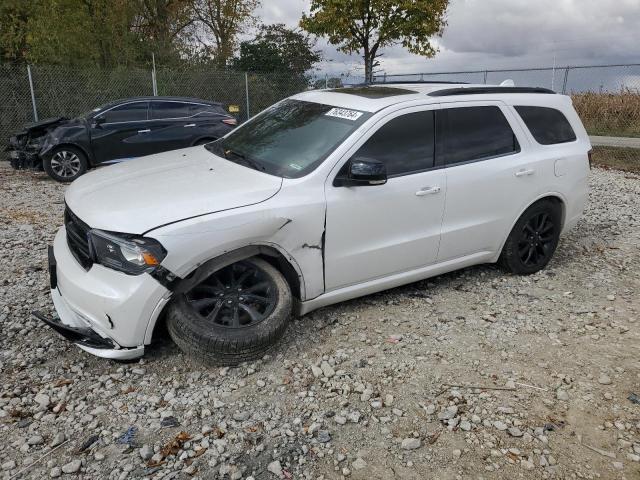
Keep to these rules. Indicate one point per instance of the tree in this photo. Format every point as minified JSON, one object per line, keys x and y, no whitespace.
{"x":368,"y":25}
{"x":277,"y":48}
{"x":14,"y":17}
{"x":224,"y":20}
{"x":163,"y":27}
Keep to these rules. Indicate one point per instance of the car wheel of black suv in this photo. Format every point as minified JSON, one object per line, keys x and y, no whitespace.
{"x":236,"y":314}
{"x":65,"y":164}
{"x":533,"y":239}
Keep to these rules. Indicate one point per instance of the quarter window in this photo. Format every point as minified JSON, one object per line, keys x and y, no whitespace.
{"x":129,"y":112}
{"x":474,"y":133}
{"x":404,"y":144}
{"x":547,"y":125}
{"x":160,"y":110}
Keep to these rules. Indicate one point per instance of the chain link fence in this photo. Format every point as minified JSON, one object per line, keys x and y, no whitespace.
{"x":607,"y":98}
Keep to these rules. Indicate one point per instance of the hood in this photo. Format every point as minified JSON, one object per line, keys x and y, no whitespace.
{"x":144,"y":193}
{"x":45,"y":125}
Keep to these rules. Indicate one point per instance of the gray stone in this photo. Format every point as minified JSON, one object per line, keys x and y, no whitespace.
{"x":35,"y":440}
{"x":42,"y":400}
{"x":410,"y":443}
{"x":604,"y":380}
{"x":515,"y":432}
{"x":275,"y":468}
{"x":359,"y":464}
{"x":72,"y":467}
{"x":55,"y":472}
{"x":316,"y":371}
{"x":323,"y":436}
{"x":500,"y":425}
{"x":58,"y":438}
{"x":327,"y":370}
{"x":465,"y":425}
{"x":10,"y":465}
{"x":562,"y":395}
{"x":146,"y":452}
{"x":448,"y":413}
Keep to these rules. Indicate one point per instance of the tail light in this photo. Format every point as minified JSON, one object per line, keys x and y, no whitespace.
{"x":590,"y":154}
{"x":230,"y":121}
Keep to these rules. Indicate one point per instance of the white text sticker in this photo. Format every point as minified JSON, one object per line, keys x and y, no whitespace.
{"x":344,"y":113}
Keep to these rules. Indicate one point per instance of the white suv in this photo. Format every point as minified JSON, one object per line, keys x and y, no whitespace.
{"x":325,"y":196}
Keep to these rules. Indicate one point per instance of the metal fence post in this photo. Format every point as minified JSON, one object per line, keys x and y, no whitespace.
{"x":486,"y":72}
{"x":326,"y":81}
{"x":566,"y":77}
{"x":33,"y":95}
{"x":154,"y":82}
{"x":246,"y":92}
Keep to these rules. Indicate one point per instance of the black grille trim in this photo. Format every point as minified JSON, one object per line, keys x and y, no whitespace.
{"x":77,"y":238}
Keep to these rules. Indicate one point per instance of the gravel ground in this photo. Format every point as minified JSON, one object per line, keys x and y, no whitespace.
{"x":474,"y":374}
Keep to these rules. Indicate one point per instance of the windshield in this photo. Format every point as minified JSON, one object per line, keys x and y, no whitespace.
{"x":92,"y":112}
{"x":290,"y":139}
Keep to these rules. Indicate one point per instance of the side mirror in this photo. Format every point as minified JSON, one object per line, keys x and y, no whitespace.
{"x":363,"y":171}
{"x":97,"y":121}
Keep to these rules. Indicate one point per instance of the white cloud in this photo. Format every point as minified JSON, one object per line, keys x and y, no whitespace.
{"x":502,"y":33}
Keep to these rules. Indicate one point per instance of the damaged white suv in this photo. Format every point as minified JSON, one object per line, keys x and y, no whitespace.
{"x":325,"y":196}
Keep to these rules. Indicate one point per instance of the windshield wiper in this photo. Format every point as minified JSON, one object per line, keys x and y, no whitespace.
{"x":248,"y":161}
{"x":218,"y":149}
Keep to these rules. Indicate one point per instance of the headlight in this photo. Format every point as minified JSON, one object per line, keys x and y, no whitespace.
{"x":130,"y":254}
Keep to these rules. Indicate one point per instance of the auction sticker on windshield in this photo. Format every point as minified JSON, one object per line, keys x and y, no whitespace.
{"x":344,"y":113}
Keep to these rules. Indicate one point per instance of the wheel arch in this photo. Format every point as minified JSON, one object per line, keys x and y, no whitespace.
{"x":555,"y":197}
{"x":58,"y":146}
{"x":272,"y":253}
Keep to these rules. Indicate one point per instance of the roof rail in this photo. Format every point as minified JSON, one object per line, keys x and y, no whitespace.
{"x":480,"y":90}
{"x":404,"y":82}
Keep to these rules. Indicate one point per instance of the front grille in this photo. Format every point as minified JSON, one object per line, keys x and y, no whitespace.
{"x":77,"y":238}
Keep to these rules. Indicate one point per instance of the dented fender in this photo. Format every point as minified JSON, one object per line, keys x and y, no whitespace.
{"x":197,"y":247}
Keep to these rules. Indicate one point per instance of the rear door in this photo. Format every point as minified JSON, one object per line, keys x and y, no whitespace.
{"x":375,"y":231}
{"x":121,"y":133}
{"x":174,"y":125}
{"x":491,"y":175}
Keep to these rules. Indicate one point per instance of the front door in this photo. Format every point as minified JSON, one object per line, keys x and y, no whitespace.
{"x":374,"y":231}
{"x":121,"y":132}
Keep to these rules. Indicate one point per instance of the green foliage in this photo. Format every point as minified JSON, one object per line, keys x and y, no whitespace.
{"x":277,"y":48}
{"x":368,"y":25}
{"x":223,"y":21}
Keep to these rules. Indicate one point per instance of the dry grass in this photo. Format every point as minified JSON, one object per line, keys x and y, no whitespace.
{"x":613,"y":114}
{"x":626,"y":159}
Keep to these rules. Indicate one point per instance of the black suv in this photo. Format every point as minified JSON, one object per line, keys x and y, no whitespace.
{"x":118,"y":131}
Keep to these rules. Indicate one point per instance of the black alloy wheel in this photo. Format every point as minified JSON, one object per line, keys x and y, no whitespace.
{"x":533,"y":239}
{"x":240,"y":295}
{"x":237,"y":314}
{"x":537,"y":240}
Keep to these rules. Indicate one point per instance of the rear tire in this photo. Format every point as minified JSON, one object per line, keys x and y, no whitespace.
{"x":533,"y":239}
{"x":65,"y":164}
{"x":235,"y":315}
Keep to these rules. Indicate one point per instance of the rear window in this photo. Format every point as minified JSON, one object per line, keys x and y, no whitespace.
{"x":160,"y":110}
{"x":547,"y":125}
{"x":469,"y":134}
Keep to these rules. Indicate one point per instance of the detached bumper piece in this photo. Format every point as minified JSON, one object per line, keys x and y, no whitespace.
{"x":84,"y":337}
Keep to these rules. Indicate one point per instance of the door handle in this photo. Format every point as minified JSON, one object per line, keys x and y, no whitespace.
{"x":190,"y":125}
{"x":525,"y":172}
{"x":428,"y":191}
{"x":146,"y":130}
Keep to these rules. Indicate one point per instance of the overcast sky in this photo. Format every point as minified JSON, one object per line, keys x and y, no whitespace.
{"x":502,"y":33}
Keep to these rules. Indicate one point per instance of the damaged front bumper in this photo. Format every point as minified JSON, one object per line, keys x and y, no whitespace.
{"x":22,"y":156}
{"x":104,"y":312}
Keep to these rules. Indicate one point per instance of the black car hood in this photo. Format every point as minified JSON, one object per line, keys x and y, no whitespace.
{"x":45,"y":124}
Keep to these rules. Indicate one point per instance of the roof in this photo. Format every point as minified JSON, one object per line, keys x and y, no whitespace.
{"x":375,"y":97}
{"x":175,"y":99}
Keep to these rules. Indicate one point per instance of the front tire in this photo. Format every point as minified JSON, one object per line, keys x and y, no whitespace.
{"x":236,"y":314}
{"x":65,"y":164}
{"x":533,"y":239}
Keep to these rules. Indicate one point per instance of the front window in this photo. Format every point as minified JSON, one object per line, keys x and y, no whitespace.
{"x":291,"y":138}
